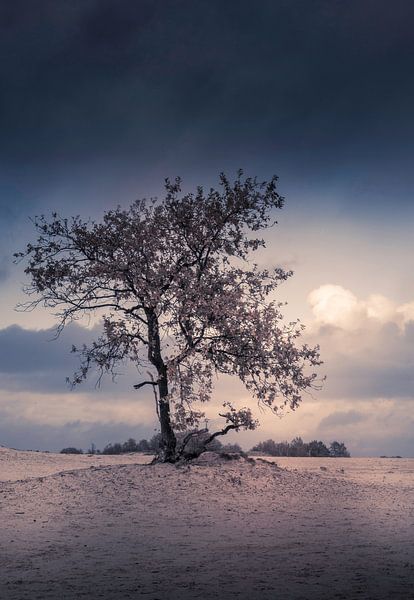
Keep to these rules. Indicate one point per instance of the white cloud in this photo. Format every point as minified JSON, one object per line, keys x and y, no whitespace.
{"x":380,"y":308}
{"x":339,"y":307}
{"x":406,"y":312}
{"x":334,"y":305}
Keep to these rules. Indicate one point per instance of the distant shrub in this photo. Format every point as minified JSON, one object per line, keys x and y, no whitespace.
{"x":231,"y":448}
{"x":71,"y":451}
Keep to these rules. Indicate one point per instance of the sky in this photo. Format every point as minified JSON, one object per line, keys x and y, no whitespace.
{"x":102,"y":100}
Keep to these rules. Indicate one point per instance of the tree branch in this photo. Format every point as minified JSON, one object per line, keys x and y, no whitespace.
{"x":187,"y":439}
{"x":203,"y":446}
{"x":137,"y":386}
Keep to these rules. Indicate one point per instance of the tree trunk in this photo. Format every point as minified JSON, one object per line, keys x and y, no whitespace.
{"x":168,"y":438}
{"x":167,"y":434}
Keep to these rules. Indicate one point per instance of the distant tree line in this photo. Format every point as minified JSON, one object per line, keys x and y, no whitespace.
{"x":153,"y":445}
{"x":297,"y":447}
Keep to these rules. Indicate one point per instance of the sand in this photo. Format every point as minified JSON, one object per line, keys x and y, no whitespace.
{"x":73,"y":529}
{"x":21,"y":465}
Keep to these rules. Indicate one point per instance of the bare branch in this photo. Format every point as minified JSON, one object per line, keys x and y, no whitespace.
{"x":137,"y":386}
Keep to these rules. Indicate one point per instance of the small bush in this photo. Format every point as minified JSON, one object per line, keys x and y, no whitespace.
{"x":71,"y":451}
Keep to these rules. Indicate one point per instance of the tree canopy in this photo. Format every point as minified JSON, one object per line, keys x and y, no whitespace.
{"x":179,"y":296}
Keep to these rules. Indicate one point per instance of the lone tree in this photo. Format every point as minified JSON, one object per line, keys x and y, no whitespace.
{"x":178,"y":297}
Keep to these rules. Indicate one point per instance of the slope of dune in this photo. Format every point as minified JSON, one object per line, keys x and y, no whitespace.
{"x":20,"y":464}
{"x":216,"y":529}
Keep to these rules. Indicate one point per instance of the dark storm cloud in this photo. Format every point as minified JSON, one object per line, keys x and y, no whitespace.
{"x":313,"y":82}
{"x":28,"y":351}
{"x":35,"y":361}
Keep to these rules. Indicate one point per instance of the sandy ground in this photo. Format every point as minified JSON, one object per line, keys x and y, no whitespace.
{"x":392,"y":471}
{"x":70,"y":529}
{"x":18,"y":465}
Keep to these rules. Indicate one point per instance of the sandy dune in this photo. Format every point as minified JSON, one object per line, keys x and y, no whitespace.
{"x":230,"y":530}
{"x":18,"y":465}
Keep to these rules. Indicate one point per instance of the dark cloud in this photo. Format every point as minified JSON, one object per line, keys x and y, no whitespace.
{"x":375,"y":361}
{"x":4,"y":269}
{"x":294,"y":83}
{"x":24,"y":350}
{"x":342,"y":418}
{"x":38,"y":361}
{"x":23,"y":434}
